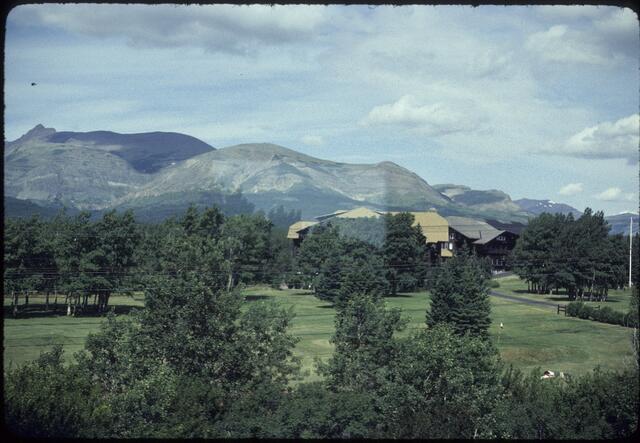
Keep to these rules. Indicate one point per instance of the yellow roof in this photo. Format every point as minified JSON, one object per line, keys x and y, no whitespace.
{"x":434,"y":226}
{"x":297,"y":227}
{"x":360,"y":212}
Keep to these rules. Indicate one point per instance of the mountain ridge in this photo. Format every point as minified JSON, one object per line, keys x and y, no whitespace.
{"x":99,"y":170}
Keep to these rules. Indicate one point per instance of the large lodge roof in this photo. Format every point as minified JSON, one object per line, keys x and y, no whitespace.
{"x":295,"y":228}
{"x":473,"y":229}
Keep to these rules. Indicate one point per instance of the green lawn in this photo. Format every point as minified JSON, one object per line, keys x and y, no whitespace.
{"x":512,"y":285}
{"x":532,"y":335}
{"x":26,"y":338}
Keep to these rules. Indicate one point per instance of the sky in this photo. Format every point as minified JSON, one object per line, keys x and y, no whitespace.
{"x":539,"y":102}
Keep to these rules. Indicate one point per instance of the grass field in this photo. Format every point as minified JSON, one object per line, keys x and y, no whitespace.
{"x":532,"y":335}
{"x":512,"y":285}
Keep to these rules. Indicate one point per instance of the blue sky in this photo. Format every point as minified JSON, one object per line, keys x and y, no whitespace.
{"x":540,"y":102}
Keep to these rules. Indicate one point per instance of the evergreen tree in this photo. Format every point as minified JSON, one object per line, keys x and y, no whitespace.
{"x":364,"y":344}
{"x":321,"y":246}
{"x":460,"y":296}
{"x":405,"y":253}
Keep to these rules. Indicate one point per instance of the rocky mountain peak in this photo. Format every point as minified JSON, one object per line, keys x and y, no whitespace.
{"x":37,"y":132}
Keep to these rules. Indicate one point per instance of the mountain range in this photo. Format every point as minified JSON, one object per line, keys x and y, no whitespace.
{"x":159,"y":173}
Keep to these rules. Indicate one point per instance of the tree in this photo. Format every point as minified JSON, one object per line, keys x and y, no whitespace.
{"x":360,"y":271}
{"x":364,"y":344}
{"x":46,"y":398}
{"x":405,"y":253}
{"x":441,"y":385}
{"x":198,"y":330}
{"x":539,"y":252}
{"x":245,"y":240}
{"x":321,"y":246}
{"x":28,"y":260}
{"x":460,"y":296}
{"x":282,"y":218}
{"x":118,"y":240}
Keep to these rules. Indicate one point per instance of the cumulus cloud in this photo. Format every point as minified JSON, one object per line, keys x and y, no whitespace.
{"x":571,"y":189}
{"x":561,"y":44}
{"x":607,"y":140}
{"x":229,"y":28}
{"x":432,"y":119}
{"x":586,"y":35}
{"x":312,"y":140}
{"x":615,"y":194}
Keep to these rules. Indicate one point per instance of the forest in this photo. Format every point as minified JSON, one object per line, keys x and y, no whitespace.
{"x":197,"y":362}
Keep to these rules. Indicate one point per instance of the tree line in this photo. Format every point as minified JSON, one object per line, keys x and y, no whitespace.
{"x":193,"y":364}
{"x":557,"y":252}
{"x":83,"y":262}
{"x":197,"y":361}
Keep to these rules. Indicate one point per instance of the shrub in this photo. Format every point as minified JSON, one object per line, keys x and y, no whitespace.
{"x":603,"y":315}
{"x":494,"y":284}
{"x":585,"y":312}
{"x":574,"y":308}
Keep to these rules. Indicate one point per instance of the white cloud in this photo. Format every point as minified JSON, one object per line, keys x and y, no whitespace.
{"x":609,"y":194}
{"x":561,"y":44}
{"x":615,"y":194}
{"x":586,"y":35}
{"x":571,"y":189}
{"x":432,"y":119}
{"x":312,"y":140}
{"x":606,"y":140}
{"x":570,"y":12}
{"x":229,"y":28}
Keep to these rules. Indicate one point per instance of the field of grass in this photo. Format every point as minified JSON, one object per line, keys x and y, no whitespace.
{"x":26,"y":338}
{"x":532,"y":336}
{"x":617,"y":300}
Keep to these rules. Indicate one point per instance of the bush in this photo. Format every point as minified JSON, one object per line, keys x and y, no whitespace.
{"x":585,"y":312}
{"x":603,"y":315}
{"x":574,"y":308}
{"x":494,"y":284}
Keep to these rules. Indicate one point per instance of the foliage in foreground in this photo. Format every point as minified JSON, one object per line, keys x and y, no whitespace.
{"x":192,"y":364}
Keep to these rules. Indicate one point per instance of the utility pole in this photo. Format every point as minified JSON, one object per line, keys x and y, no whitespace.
{"x":630,"y":247}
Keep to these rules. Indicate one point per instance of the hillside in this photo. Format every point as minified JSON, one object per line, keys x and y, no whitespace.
{"x":160,"y":173}
{"x":620,"y":223}
{"x":268,"y":174}
{"x":537,"y":207}
{"x":490,"y":201}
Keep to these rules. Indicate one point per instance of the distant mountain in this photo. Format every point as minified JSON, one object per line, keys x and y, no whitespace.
{"x":268,"y":174}
{"x":490,"y":200}
{"x":147,"y":152}
{"x":14,"y":207}
{"x":89,"y":170}
{"x":158,"y":174}
{"x":620,"y":223}
{"x":537,"y":207}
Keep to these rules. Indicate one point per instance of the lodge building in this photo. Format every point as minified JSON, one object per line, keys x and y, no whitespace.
{"x":445,"y":235}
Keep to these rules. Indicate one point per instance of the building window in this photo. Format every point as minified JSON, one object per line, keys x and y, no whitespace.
{"x":500,"y":238}
{"x":452,"y":236}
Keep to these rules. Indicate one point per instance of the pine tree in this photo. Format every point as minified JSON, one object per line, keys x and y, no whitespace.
{"x":404,"y":252}
{"x":460,"y":296}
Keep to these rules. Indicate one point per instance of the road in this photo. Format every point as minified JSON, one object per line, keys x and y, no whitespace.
{"x":523,"y":300}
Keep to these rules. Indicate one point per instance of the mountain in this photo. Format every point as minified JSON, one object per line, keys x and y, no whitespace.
{"x":488,"y":201}
{"x":160,"y":173}
{"x":268,"y":174}
{"x":14,"y":207}
{"x":89,"y":170}
{"x":537,"y":207}
{"x":147,"y":152}
{"x":620,"y":223}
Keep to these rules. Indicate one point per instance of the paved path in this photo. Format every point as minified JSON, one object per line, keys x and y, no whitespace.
{"x":523,"y":300}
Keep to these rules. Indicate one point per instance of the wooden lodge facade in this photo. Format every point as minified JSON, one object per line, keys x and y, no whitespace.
{"x":445,"y":235}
